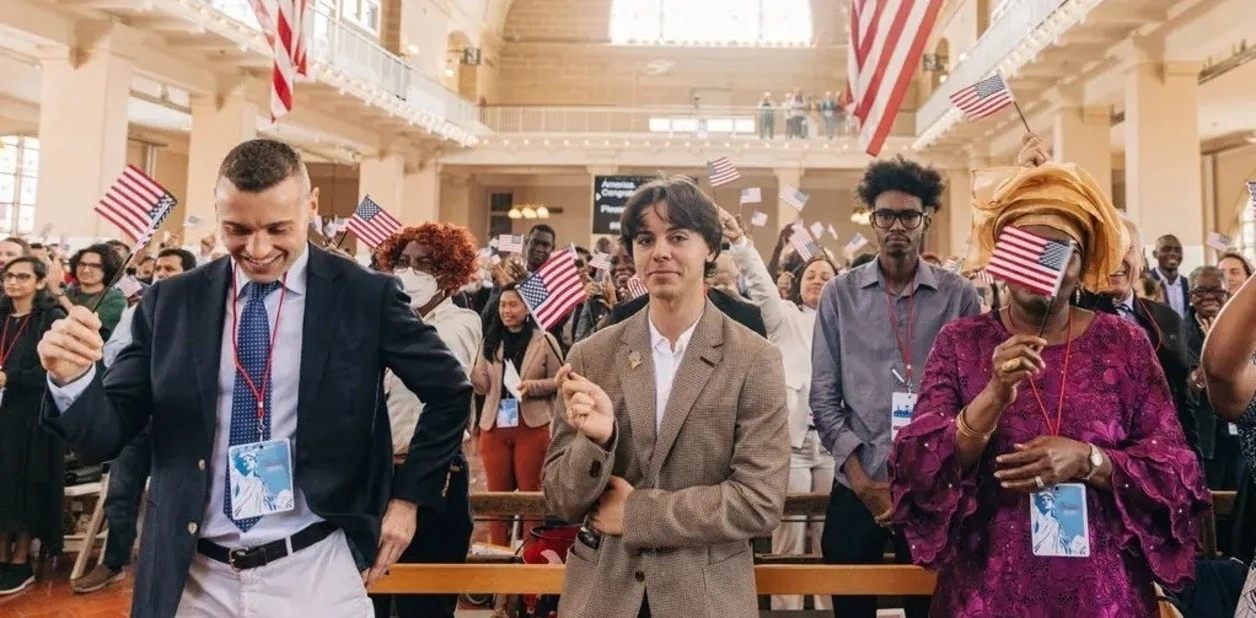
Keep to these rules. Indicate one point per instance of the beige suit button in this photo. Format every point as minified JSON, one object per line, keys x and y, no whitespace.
{"x":192,"y":527}
{"x":201,"y":465}
{"x":639,"y":576}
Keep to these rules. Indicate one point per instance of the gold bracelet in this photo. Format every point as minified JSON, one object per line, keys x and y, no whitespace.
{"x":967,"y":431}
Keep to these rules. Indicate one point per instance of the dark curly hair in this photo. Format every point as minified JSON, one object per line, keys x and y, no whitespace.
{"x":688,"y":208}
{"x":451,"y":248}
{"x":795,"y":287}
{"x":899,"y":174}
{"x":109,"y":260}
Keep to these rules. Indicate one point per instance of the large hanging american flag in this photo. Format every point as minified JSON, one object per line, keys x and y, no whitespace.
{"x":1027,"y":260}
{"x":553,"y":290}
{"x":371,"y":223}
{"x":287,"y":25}
{"x":135,"y":203}
{"x":887,"y":40}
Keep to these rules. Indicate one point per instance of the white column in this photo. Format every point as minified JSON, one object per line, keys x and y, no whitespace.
{"x":1080,"y":134}
{"x":220,"y":122}
{"x":1162,"y":160}
{"x":383,"y":178}
{"x":421,"y":194}
{"x":82,"y":139}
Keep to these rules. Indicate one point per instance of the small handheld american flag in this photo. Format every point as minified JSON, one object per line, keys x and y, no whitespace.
{"x":136,"y":203}
{"x":129,"y":286}
{"x":792,"y":196}
{"x":371,"y":223}
{"x":636,"y":288}
{"x":600,"y":261}
{"x":854,"y":244}
{"x":1029,"y":261}
{"x":759,"y":219}
{"x":721,"y":171}
{"x":803,"y":243}
{"x":751,"y":195}
{"x":983,"y":98}
{"x":982,"y":278}
{"x":509,"y":243}
{"x":553,"y":290}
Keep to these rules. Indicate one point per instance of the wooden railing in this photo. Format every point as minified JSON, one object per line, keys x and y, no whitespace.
{"x":774,"y":574}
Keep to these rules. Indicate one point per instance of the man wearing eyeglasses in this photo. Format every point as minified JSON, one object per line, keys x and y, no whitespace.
{"x":875,"y":327}
{"x":1163,"y":326}
{"x":1218,"y":440}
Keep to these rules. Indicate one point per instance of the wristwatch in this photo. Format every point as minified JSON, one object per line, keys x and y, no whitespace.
{"x":1096,"y":460}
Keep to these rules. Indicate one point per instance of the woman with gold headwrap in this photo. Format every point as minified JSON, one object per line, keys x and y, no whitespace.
{"x":1043,"y":473}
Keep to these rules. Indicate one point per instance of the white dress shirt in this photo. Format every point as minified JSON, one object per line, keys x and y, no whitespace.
{"x":666,"y":362}
{"x":121,"y":336}
{"x":285,"y":379}
{"x":1173,"y":294}
{"x":460,"y":330}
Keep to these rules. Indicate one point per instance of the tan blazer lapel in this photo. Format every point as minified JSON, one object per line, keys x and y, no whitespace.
{"x":697,"y":366}
{"x":531,"y":355}
{"x":635,"y":365}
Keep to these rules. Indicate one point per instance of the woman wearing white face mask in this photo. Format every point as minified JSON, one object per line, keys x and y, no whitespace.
{"x":433,"y":262}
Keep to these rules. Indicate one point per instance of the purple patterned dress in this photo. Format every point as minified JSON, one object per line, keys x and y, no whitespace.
{"x":977,"y":535}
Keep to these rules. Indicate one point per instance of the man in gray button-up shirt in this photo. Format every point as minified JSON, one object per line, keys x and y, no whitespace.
{"x":873,"y":333}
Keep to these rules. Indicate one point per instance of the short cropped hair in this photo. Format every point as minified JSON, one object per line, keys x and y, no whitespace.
{"x":542,"y":227}
{"x":259,"y":164}
{"x":1208,"y":271}
{"x":899,"y":174}
{"x":186,"y":259}
{"x":26,"y":247}
{"x":688,"y":208}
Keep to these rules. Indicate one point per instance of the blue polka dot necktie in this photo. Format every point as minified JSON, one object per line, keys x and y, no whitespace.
{"x":253,"y":347}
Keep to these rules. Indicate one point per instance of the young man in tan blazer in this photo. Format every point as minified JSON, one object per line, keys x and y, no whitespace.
{"x":670,"y":442}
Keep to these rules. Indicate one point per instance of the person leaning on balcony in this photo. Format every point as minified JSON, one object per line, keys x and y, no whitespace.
{"x":767,"y":117}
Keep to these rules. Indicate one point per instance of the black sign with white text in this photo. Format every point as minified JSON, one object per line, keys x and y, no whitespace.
{"x":610,"y":195}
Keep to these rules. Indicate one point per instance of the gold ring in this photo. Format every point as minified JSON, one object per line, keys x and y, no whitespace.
{"x":1010,"y":365}
{"x":1038,"y":482}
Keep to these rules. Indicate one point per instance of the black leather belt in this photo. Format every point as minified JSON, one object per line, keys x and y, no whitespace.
{"x":245,"y":558}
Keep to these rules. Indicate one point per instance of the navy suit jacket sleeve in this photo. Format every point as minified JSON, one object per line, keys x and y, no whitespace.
{"x":117,"y":404}
{"x":416,"y":354}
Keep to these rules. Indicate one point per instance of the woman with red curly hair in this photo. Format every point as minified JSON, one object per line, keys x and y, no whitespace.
{"x":432,"y":261}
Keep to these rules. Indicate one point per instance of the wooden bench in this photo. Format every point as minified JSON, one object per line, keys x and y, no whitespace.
{"x":881,"y":580}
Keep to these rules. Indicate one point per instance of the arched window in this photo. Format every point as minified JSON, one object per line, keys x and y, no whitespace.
{"x":707,"y":22}
{"x":19,"y":173}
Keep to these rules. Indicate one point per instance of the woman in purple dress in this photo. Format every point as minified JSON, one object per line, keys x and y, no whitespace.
{"x":1044,"y":472}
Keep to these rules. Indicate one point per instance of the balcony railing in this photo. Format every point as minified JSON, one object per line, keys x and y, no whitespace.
{"x":1014,"y":22}
{"x":358,"y":55}
{"x":665,"y":122}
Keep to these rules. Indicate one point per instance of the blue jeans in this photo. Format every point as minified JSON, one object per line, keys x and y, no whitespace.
{"x":127,"y":475}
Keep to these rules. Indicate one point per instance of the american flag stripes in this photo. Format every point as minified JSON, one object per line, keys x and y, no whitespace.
{"x":135,"y":203}
{"x":287,"y":25}
{"x":854,"y":244}
{"x":983,"y":98}
{"x":792,"y":196}
{"x":129,"y":286}
{"x":803,"y":243}
{"x":751,"y":195}
{"x":887,"y":41}
{"x":636,"y":288}
{"x":372,"y":224}
{"x":1027,"y":260}
{"x":509,"y":243}
{"x":600,"y":261}
{"x":721,"y":171}
{"x":983,"y":278}
{"x":553,"y":290}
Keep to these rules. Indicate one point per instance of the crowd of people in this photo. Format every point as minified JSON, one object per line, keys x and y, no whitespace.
{"x":1045,"y":455}
{"x":804,"y":116}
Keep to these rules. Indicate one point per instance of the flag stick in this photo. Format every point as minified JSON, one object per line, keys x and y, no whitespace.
{"x":342,"y":239}
{"x":550,"y":340}
{"x":1022,"y":116}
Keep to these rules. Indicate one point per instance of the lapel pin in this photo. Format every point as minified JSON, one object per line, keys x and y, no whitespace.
{"x":634,"y":359}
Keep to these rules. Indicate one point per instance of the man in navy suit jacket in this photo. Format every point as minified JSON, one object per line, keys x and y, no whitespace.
{"x":305,"y":540}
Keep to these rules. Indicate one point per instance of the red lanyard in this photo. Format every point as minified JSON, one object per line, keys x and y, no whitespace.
{"x":4,"y":336}
{"x":1059,"y":407}
{"x":904,"y":349}
{"x":259,"y":394}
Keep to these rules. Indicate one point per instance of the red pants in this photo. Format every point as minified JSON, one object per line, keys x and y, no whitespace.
{"x":512,"y":459}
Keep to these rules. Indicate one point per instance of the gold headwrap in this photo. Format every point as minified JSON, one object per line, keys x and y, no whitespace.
{"x":1060,"y":196}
